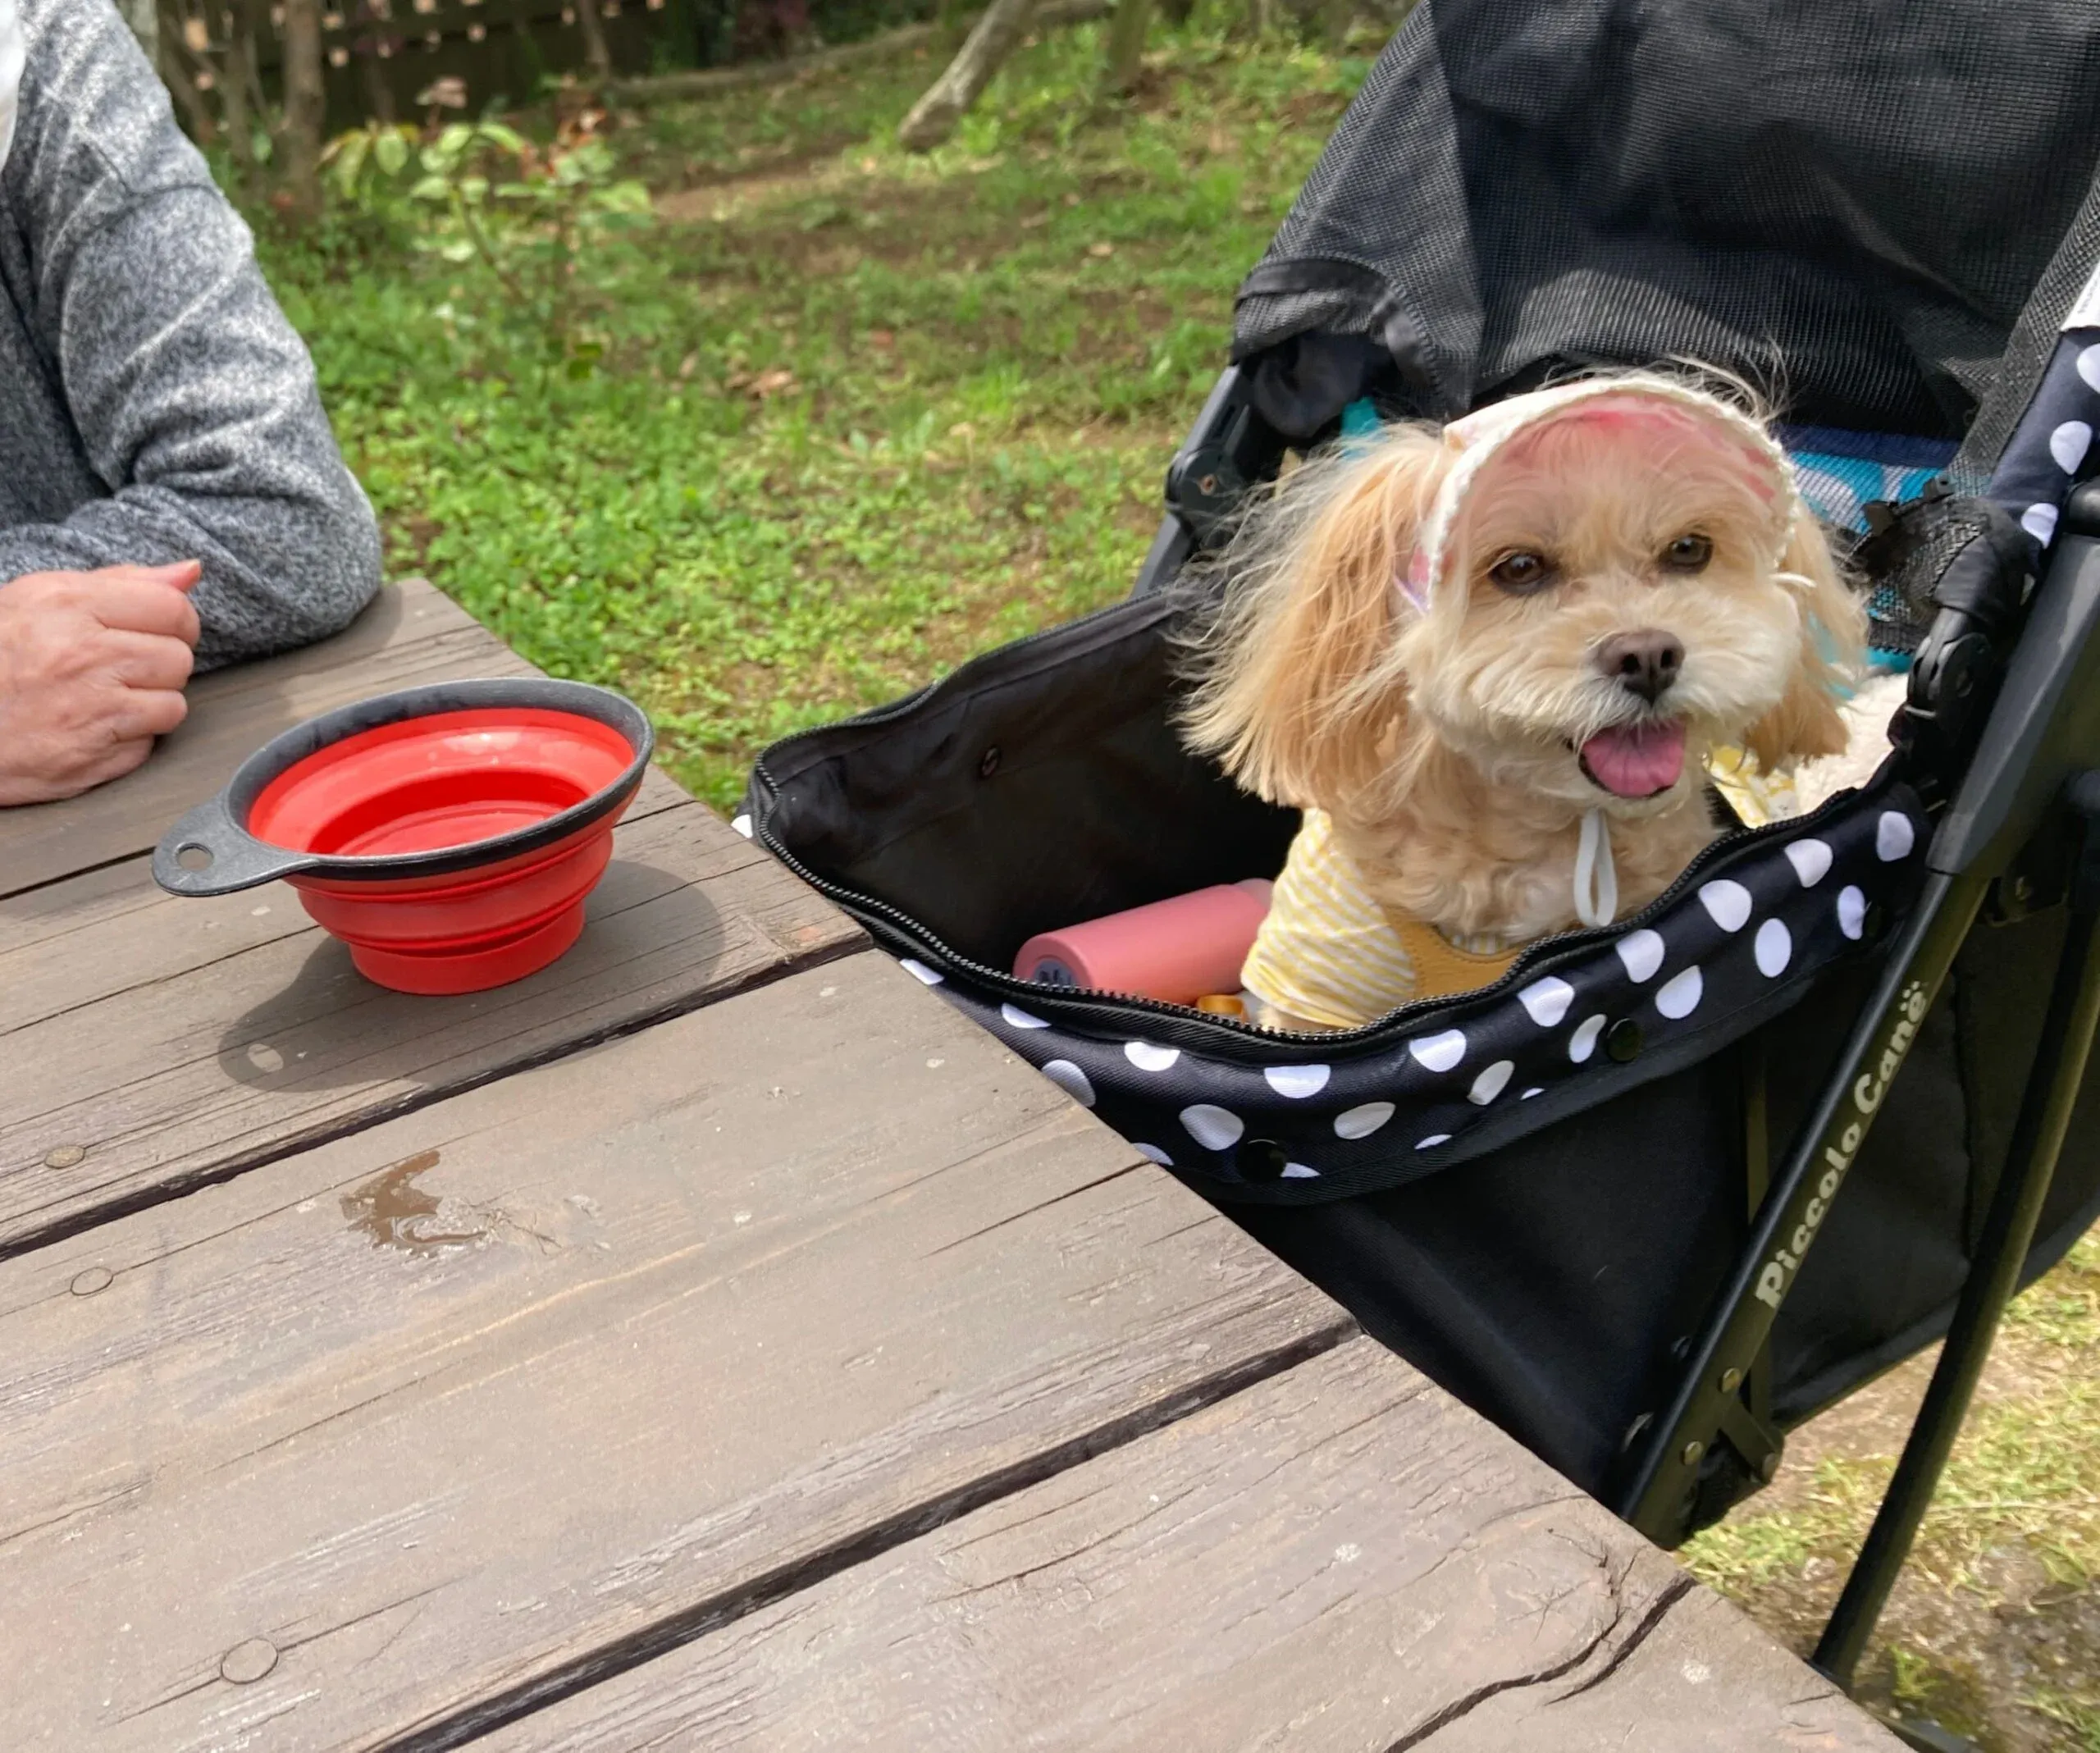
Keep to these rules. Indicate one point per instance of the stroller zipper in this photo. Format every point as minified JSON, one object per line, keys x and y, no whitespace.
{"x":1177,"y":1024}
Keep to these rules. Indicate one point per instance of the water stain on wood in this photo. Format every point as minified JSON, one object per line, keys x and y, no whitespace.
{"x":394,"y":1212}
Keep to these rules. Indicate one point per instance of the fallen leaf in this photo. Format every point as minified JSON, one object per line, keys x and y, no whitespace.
{"x":1101,"y":249}
{"x":688,"y":365}
{"x":882,"y":338}
{"x":772,"y":382}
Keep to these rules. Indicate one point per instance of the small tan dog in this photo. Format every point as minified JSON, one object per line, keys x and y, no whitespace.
{"x":1489,"y":662}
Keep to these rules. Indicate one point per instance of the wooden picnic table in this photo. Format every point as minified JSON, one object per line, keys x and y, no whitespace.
{"x":713,"y":1341}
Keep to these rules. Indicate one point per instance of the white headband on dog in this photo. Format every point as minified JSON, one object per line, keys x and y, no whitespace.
{"x":1647,"y":409}
{"x":1654,"y":412}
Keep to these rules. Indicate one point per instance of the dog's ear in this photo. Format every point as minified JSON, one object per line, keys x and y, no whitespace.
{"x":1810,"y":719}
{"x":1301,"y":695}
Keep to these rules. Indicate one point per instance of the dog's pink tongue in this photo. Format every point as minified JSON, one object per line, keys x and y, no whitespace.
{"x":1636,"y":761}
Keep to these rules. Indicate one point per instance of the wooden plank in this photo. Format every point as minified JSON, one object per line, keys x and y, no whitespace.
{"x":352,"y":1448}
{"x":411,"y":634}
{"x":1338,"y":1557}
{"x":159,"y":1042}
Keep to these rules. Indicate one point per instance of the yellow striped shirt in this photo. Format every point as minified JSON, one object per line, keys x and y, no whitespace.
{"x":1330,"y":954}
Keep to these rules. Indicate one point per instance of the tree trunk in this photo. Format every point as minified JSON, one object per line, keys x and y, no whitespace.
{"x":143,"y":16}
{"x":233,"y":84}
{"x":1126,"y":46}
{"x":376,"y":36}
{"x":378,"y":94}
{"x":181,"y":79}
{"x":595,"y":55}
{"x":933,"y":117}
{"x":1176,"y":13}
{"x":305,"y":105}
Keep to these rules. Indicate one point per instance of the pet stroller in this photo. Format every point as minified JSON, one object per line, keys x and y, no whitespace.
{"x":1669,"y":1187}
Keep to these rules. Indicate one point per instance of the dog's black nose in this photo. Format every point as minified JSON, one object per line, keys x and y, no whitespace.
{"x":1645,"y":663}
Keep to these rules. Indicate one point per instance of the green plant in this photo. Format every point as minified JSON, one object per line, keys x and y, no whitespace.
{"x":540,"y":217}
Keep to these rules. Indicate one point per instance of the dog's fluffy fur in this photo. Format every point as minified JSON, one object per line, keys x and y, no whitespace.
{"x":1444,"y":742}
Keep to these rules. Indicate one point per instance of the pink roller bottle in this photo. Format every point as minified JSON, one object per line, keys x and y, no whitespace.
{"x":1176,"y":950}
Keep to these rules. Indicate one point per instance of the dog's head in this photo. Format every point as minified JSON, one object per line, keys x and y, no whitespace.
{"x":1580,"y":591}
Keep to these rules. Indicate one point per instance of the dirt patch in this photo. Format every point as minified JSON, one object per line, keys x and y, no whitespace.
{"x":722,"y":194}
{"x":2001,"y":1645}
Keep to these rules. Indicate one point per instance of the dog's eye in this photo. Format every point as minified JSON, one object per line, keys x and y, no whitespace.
{"x":1688,"y":554}
{"x":1522,"y":572}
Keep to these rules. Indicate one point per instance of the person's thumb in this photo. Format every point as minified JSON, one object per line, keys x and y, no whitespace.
{"x":182,"y":574}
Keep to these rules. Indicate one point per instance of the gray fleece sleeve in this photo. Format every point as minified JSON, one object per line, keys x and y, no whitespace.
{"x":194,"y":400}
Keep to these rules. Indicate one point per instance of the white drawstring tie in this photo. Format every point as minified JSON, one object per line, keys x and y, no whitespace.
{"x":1596,"y":877}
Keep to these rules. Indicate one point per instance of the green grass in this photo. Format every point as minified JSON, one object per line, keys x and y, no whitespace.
{"x":888,"y":412}
{"x":2012,"y":1477}
{"x":2020,"y":1497}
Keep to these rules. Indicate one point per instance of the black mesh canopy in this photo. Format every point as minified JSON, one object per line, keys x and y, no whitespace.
{"x":1851,"y":205}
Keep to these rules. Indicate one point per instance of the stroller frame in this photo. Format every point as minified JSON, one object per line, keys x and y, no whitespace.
{"x":2016,"y":768}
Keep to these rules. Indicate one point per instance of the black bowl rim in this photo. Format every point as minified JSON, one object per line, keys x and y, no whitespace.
{"x":240,"y":860}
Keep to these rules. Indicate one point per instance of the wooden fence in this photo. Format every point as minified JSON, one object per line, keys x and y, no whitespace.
{"x":380,"y":55}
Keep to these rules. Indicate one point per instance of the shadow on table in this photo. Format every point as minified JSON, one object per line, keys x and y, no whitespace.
{"x":330,"y":1028}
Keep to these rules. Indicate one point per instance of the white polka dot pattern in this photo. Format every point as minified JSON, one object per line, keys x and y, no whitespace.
{"x":1361,"y":1122}
{"x":1811,"y":859}
{"x":1297,"y":1083}
{"x":1212,"y":1127}
{"x":1545,"y":1002}
{"x":1439,"y":1052}
{"x":1679,"y":996}
{"x":1491,"y":1082}
{"x":1400,"y":1102}
{"x":1643,"y":952}
{"x":1726,"y":903}
{"x":1073,"y":1081}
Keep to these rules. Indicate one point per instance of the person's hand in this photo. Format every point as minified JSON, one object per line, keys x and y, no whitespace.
{"x":91,"y":668}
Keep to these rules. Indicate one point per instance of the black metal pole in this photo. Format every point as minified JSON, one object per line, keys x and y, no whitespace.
{"x":1653,"y":1498}
{"x":2045,"y":1111}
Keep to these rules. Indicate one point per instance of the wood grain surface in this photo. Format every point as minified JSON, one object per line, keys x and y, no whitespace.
{"x":382,"y":1441}
{"x":167,"y":1042}
{"x":1338,"y":1558}
{"x":411,"y":634}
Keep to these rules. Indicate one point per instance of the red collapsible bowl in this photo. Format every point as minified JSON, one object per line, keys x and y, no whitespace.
{"x":450,"y":835}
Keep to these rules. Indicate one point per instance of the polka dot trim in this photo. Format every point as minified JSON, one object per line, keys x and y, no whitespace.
{"x":1764,"y":919}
